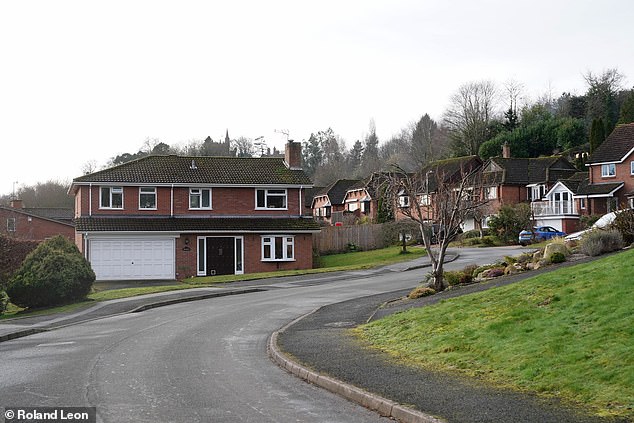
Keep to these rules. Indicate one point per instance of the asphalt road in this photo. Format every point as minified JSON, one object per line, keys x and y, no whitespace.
{"x":199,"y":361}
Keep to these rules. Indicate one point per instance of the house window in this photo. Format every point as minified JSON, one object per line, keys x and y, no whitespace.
{"x":582,"y":203}
{"x":200,"y":198}
{"x":608,"y":170}
{"x":632,"y":167}
{"x":11,"y":224}
{"x":147,"y":198}
{"x":631,"y":202}
{"x":537,"y":192}
{"x":365,"y":207}
{"x":111,"y":198}
{"x":270,"y":199}
{"x":491,"y":193}
{"x":425,"y":200}
{"x":278,"y":248}
{"x":327,"y":211}
{"x":353,"y":206}
{"x":403,"y":201}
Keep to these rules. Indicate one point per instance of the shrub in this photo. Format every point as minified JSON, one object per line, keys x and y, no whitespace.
{"x":12,"y":254}
{"x":452,"y":277}
{"x":624,"y":223}
{"x":4,"y":300}
{"x":599,"y":242}
{"x":54,"y":273}
{"x":557,"y":257}
{"x":421,"y":291}
{"x":586,"y":221}
{"x":510,"y":221}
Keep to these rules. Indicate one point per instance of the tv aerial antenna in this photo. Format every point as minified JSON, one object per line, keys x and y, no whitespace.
{"x":260,"y":144}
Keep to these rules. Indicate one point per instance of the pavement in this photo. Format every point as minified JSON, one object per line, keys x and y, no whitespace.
{"x":319,"y":348}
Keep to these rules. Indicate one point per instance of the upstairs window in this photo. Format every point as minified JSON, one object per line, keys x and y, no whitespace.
{"x":608,"y":170}
{"x":425,"y":200}
{"x":147,"y":198}
{"x":632,"y":167}
{"x":200,"y":198}
{"x":403,"y":201}
{"x":270,"y":198}
{"x":278,"y":248}
{"x":111,"y":198}
{"x":491,"y":193}
{"x":11,"y":224}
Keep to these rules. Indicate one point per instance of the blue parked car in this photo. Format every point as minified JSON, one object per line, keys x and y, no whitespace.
{"x":538,"y":234}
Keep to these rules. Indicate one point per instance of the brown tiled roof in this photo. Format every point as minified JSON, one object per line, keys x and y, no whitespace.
{"x":525,"y":171}
{"x":200,"y":170}
{"x":177,"y":224}
{"x":450,"y":170}
{"x":598,"y":189}
{"x":615,"y":146}
{"x":336,"y":191}
{"x":62,"y":217}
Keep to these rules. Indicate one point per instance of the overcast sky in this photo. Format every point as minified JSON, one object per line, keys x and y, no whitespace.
{"x":84,"y":80}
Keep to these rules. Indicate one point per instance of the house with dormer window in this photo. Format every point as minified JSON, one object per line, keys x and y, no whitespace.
{"x":172,"y":217}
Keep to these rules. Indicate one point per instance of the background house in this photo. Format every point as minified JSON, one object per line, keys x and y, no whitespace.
{"x":167,"y":217}
{"x":328,"y":203}
{"x":611,"y":173}
{"x":36,"y":223}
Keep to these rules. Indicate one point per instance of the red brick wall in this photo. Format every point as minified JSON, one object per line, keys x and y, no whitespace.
{"x":186,"y":261}
{"x":224,"y":201}
{"x":623,"y":174}
{"x":33,"y":228}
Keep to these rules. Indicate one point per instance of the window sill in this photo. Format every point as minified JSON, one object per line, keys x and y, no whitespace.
{"x":277,"y":260}
{"x":271,"y":208}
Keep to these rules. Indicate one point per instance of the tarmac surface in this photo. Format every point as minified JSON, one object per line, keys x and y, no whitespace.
{"x":320,"y":345}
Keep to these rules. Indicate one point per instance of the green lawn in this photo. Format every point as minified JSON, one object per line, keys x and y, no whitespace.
{"x":569,"y":333}
{"x":329,"y":263}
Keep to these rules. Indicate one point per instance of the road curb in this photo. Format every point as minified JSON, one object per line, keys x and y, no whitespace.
{"x":383,"y":406}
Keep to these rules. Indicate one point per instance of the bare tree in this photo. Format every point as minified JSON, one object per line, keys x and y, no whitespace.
{"x":470,"y":112}
{"x":439,"y":201}
{"x":244,"y":147}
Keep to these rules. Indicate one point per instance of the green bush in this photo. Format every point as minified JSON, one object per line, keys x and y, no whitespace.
{"x":12,"y":254}
{"x":510,"y":221}
{"x":557,"y":257}
{"x":452,"y":277}
{"x":624,"y":223}
{"x":3,"y":301}
{"x":421,"y":291}
{"x":54,"y":273}
{"x":599,"y":242}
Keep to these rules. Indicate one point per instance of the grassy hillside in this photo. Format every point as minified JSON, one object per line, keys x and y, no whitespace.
{"x":569,"y":333}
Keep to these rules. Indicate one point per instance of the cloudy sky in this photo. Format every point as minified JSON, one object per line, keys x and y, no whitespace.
{"x":83,"y":81}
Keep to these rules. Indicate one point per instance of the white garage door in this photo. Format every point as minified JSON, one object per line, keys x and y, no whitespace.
{"x":119,"y":259}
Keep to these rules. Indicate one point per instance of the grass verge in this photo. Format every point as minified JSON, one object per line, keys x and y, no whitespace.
{"x":568,"y":333}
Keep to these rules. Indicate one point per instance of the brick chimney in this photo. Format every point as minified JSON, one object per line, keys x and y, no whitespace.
{"x":506,"y":150}
{"x":293,"y":155}
{"x":17,"y":204}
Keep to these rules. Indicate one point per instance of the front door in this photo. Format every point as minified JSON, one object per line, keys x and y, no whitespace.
{"x":220,"y":256}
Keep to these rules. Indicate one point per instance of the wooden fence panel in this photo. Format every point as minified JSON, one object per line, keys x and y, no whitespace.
{"x":334,"y":239}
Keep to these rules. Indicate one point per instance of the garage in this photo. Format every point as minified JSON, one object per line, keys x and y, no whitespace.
{"x":136,"y":259}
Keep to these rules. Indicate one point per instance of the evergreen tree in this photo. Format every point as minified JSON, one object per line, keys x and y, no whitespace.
{"x":627,"y":109}
{"x":597,"y":134}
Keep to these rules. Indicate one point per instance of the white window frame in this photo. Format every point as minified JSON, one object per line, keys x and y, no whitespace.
{"x":608,"y":170}
{"x":201,"y":255}
{"x":271,"y":192}
{"x":199,"y":193}
{"x":491,"y":193}
{"x":112,"y":191}
{"x":403,"y":201}
{"x":632,"y":167}
{"x":147,"y":191}
{"x":11,"y":226}
{"x":271,"y":242}
{"x":425,"y":200}
{"x":582,"y":203}
{"x":353,"y":206}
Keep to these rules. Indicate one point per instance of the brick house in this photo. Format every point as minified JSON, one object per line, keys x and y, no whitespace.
{"x":361,"y":198}
{"x":36,"y":223}
{"x":172,"y":217}
{"x":509,"y":180}
{"x":328,"y":203}
{"x":611,"y":174}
